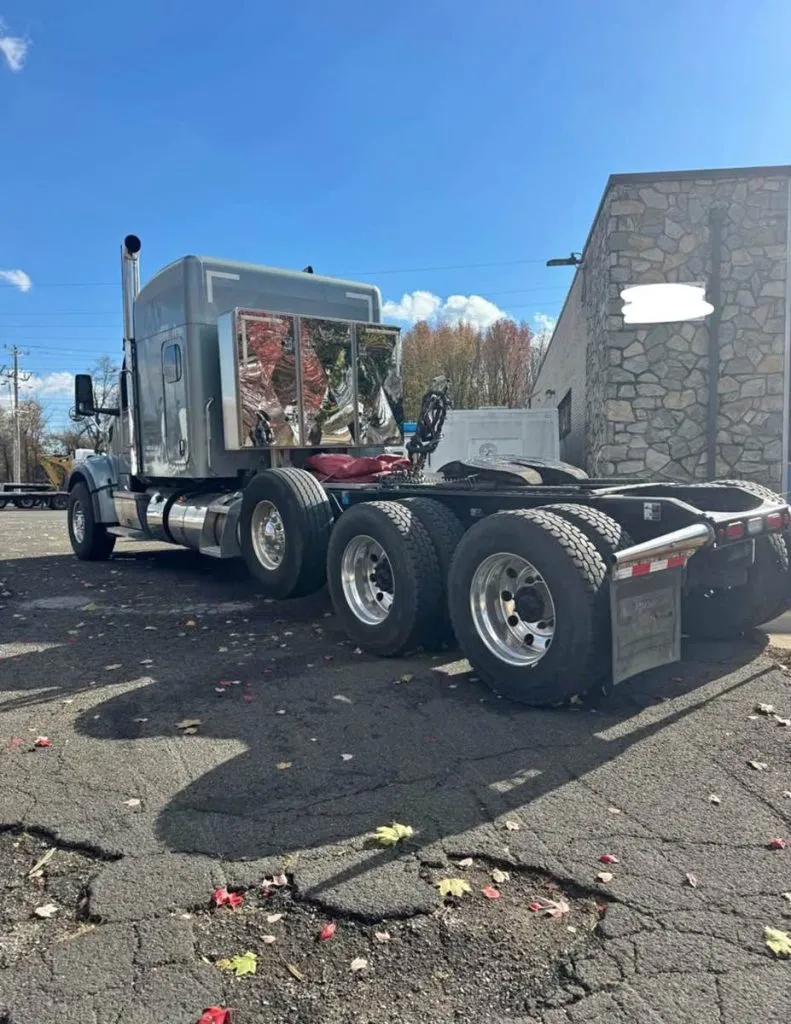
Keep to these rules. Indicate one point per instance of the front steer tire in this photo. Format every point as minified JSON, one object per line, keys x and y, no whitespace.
{"x":415,"y":577}
{"x":297,"y":567}
{"x":90,"y":540}
{"x":576,"y":578}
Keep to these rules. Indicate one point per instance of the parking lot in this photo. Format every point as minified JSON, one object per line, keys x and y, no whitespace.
{"x":200,"y":738}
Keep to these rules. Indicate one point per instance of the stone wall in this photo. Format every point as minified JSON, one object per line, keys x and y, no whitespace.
{"x":653,"y":383}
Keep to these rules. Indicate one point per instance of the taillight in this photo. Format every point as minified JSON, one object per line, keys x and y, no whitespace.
{"x":734,"y":531}
{"x":774,"y":521}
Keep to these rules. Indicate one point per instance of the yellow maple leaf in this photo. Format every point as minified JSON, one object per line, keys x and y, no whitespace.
{"x":389,"y":835}
{"x":779,"y":942}
{"x":244,"y":963}
{"x":453,"y":886}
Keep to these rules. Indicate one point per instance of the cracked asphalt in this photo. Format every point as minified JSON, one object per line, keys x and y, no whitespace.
{"x":304,"y":746}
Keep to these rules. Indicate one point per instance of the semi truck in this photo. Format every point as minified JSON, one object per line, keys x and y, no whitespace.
{"x":260,"y":416}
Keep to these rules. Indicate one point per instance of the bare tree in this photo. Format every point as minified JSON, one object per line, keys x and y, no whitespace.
{"x":93,"y":431}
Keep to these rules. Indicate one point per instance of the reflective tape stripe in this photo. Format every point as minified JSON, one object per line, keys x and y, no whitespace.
{"x":645,"y":568}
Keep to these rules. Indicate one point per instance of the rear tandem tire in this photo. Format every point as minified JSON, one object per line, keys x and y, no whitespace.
{"x":725,"y":613}
{"x":445,"y":530}
{"x":90,"y":540}
{"x":284,"y":529}
{"x":384,"y":578}
{"x":605,"y":533}
{"x":575,"y":576}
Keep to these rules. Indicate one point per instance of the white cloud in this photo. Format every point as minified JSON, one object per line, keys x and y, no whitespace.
{"x":422,"y":305}
{"x":18,"y":278}
{"x":544,"y":324}
{"x":59,"y":384}
{"x":14,"y":49}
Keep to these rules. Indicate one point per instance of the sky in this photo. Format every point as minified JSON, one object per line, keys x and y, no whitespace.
{"x":443,"y":150}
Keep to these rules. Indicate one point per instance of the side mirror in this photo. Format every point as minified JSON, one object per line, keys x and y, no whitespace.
{"x":83,"y":395}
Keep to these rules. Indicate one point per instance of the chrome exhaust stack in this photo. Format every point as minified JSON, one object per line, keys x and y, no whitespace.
{"x":130,"y":286}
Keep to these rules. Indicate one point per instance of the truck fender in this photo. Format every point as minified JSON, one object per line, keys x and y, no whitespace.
{"x":100,"y":474}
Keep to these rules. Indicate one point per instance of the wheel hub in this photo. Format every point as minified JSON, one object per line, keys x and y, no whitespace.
{"x":512,"y":609}
{"x":367,"y":580}
{"x":78,"y":522}
{"x":268,"y":535}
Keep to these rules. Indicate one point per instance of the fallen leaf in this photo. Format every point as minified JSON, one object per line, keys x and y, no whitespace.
{"x":490,"y":892}
{"x":614,"y":810}
{"x":407,"y":677}
{"x":190,"y":622}
{"x":327,"y":657}
{"x":215,"y":1014}
{"x":604,"y":876}
{"x":465,"y":863}
{"x":385,"y":936}
{"x":268,"y":939}
{"x":247,"y":698}
{"x":279,"y":881}
{"x":293,"y":969}
{"x":758,"y":766}
{"x":777,"y":844}
{"x":244,"y":963}
{"x":786,"y":896}
{"x":691,"y":881}
{"x":283,"y":765}
{"x":764,"y":709}
{"x":111,"y":668}
{"x":608,"y":858}
{"x":500,"y":876}
{"x":347,"y":757}
{"x":512,"y":826}
{"x":782,"y":721}
{"x":453,"y":887}
{"x":223,"y":898}
{"x":273,"y":918}
{"x":140,"y":721}
{"x":715,"y":799}
{"x":389,"y":835}
{"x":779,"y":942}
{"x":188,"y":723}
{"x":549,"y":908}
{"x":358,"y":964}
{"x":132,"y":802}
{"x":14,"y":742}
{"x":42,"y":741}
{"x":342,"y":699}
{"x":45,"y":858}
{"x":48,"y":910}
{"x":327,"y":931}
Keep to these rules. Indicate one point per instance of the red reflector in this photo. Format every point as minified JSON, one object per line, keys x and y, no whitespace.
{"x":774,"y":521}
{"x":733,"y":531}
{"x":641,"y":569}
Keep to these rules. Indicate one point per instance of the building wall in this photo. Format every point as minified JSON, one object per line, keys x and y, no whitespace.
{"x":655,"y":387}
{"x":564,"y":369}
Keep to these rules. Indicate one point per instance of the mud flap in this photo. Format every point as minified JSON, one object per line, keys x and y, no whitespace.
{"x":646,"y":622}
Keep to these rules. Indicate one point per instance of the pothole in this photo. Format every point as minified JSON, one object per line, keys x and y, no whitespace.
{"x":45,"y":904}
{"x":472,"y":958}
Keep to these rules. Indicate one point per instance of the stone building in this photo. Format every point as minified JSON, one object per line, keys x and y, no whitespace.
{"x":693,"y":400}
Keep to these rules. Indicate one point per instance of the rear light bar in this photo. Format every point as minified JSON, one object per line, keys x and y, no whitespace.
{"x":754,"y":525}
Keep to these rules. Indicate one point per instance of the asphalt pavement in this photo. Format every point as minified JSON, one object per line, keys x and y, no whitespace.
{"x":197,"y":737}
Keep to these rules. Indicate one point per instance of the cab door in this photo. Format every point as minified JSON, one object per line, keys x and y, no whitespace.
{"x":175,"y":401}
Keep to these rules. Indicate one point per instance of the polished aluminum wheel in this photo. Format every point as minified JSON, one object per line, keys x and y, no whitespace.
{"x":367,"y":580}
{"x":78,"y":522}
{"x":268,"y":535}
{"x":512,"y":609}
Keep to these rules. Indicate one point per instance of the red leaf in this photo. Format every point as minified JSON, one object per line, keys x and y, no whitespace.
{"x":328,"y":931}
{"x":221,"y":897}
{"x":777,"y":844}
{"x":535,"y":906}
{"x":491,"y":893}
{"x":215,"y":1015}
{"x":608,"y":858}
{"x":42,"y":741}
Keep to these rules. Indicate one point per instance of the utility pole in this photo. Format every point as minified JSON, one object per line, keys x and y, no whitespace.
{"x":12,"y":377}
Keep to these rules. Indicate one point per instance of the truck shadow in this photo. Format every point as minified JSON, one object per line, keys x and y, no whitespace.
{"x":332,"y":748}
